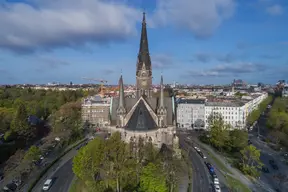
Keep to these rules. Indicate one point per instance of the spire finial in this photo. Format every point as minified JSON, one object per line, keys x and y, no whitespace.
{"x":121,"y":71}
{"x":144,"y":17}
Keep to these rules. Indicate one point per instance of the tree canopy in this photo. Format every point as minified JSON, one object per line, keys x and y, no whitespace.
{"x":278,"y":121}
{"x":250,"y":161}
{"x":115,"y":165}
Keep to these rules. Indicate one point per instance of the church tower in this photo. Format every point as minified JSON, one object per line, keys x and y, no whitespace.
{"x":121,"y":111}
{"x":144,"y":68}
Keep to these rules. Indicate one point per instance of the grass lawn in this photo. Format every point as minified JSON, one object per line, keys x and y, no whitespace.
{"x":220,"y":165}
{"x":237,"y":184}
{"x":77,"y":186}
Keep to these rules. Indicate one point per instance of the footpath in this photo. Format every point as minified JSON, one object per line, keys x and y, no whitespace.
{"x":236,"y":174}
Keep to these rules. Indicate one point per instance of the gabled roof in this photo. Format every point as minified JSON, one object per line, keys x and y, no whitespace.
{"x":141,"y":119}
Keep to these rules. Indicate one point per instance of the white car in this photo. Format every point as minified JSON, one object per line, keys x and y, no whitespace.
{"x":217,"y":188}
{"x":216,"y":181}
{"x":47,"y":184}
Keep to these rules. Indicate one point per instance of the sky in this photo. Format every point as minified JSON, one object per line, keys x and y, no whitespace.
{"x":190,"y":41}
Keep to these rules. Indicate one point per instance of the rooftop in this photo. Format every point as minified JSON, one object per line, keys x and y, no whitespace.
{"x":191,"y":101}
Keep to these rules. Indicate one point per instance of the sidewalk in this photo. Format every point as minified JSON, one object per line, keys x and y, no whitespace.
{"x":236,"y":174}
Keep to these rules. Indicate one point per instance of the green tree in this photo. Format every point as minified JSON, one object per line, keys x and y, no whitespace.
{"x":33,"y":154}
{"x":20,"y":124}
{"x":238,"y":139}
{"x":218,"y":131}
{"x":250,"y":161}
{"x":153,"y":179}
{"x":87,"y":163}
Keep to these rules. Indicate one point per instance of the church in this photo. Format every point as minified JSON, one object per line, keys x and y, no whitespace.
{"x":145,"y":115}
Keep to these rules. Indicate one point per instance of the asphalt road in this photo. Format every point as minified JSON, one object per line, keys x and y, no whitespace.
{"x":201,"y":178}
{"x":63,"y":178}
{"x":61,"y":172}
{"x":268,"y":179}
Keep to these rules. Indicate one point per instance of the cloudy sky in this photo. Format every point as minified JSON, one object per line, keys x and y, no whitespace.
{"x":191,"y":41}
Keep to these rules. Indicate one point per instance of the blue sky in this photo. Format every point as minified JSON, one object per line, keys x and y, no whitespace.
{"x":190,"y":41}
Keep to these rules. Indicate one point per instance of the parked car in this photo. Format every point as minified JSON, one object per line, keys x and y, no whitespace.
{"x":271,"y":161}
{"x":10,"y":187}
{"x":202,"y":155}
{"x":274,"y":166}
{"x":216,"y":181}
{"x":217,"y":188}
{"x":208,"y":165}
{"x":265,"y":169}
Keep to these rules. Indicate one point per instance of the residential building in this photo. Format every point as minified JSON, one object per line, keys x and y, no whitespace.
{"x":195,"y":113}
{"x":95,"y":111}
{"x":191,"y":113}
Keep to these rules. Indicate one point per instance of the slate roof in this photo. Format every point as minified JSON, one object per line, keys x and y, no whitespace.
{"x":141,"y":119}
{"x":153,"y":102}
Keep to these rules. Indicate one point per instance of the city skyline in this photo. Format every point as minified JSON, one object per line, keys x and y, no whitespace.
{"x":211,"y":42}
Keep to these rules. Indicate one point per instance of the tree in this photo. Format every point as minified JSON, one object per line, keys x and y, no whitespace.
{"x":153,"y":179}
{"x":250,"y":161}
{"x":20,"y":124}
{"x":238,"y":139}
{"x":33,"y":154}
{"x":218,"y":131}
{"x":87,"y":163}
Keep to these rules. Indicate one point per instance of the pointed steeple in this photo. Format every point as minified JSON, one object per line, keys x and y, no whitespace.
{"x":161,"y":92}
{"x":121,"y":93}
{"x":143,"y":55}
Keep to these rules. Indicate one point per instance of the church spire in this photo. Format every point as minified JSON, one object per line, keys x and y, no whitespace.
{"x":161,"y":92}
{"x":143,"y":55}
{"x":121,"y":93}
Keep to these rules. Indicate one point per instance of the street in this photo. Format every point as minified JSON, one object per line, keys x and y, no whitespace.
{"x":61,"y":172}
{"x":267,"y":153}
{"x":201,"y":178}
{"x":63,"y":178}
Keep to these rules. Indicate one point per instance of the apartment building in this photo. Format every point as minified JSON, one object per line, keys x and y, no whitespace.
{"x":195,"y":113}
{"x":95,"y":111}
{"x":233,"y":113}
{"x":191,"y":113}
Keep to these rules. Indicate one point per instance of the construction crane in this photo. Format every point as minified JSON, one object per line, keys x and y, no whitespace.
{"x":101,"y":81}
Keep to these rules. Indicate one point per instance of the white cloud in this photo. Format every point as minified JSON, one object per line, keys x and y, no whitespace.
{"x":275,"y":10}
{"x":50,"y":24}
{"x":201,"y":17}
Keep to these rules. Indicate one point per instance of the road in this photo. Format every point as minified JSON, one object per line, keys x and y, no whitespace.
{"x":201,"y":178}
{"x":267,"y":154}
{"x":61,"y":172}
{"x":63,"y":178}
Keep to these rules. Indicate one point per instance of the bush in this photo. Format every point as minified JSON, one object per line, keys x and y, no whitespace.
{"x":9,"y":136}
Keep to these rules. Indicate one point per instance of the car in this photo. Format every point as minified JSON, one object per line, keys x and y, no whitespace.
{"x":47,"y":184}
{"x":208,"y":165}
{"x":10,"y":187}
{"x":274,"y":166}
{"x":216,"y":181}
{"x":217,"y":188}
{"x":265,"y":169}
{"x":271,"y":161}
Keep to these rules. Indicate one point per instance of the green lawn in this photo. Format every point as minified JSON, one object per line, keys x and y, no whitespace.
{"x":220,"y":165}
{"x":237,"y":185}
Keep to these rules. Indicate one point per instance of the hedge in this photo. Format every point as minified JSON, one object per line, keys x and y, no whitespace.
{"x":51,"y":164}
